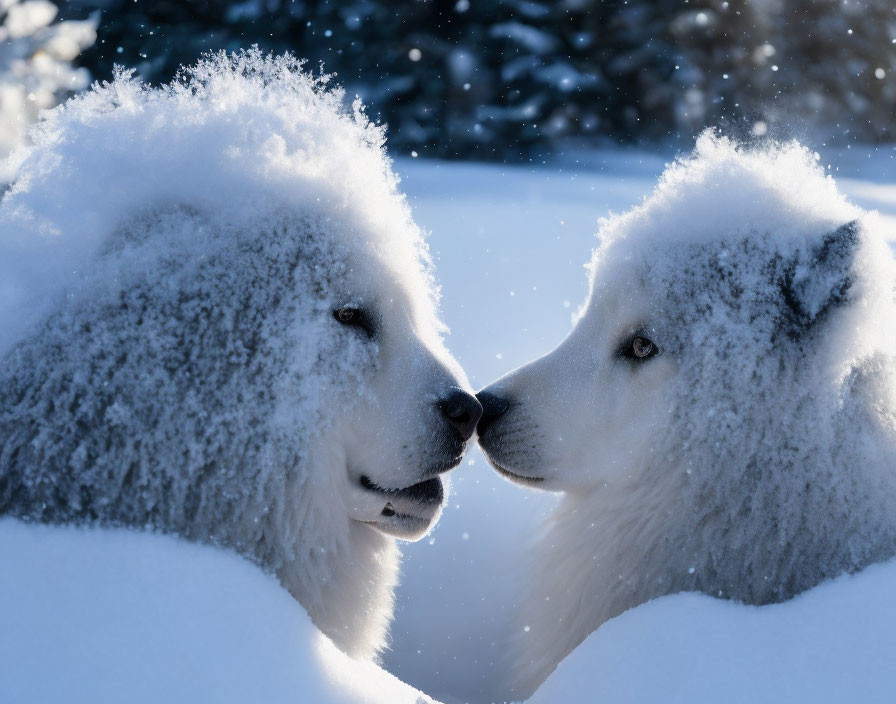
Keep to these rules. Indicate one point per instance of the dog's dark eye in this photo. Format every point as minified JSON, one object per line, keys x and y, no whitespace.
{"x":640,"y":348}
{"x":349,"y":316}
{"x":354,"y":317}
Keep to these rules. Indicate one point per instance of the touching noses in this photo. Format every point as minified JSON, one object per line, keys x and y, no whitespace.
{"x":493,"y":406}
{"x":462,"y":410}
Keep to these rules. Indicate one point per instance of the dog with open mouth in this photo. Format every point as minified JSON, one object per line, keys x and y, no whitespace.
{"x":231,"y":335}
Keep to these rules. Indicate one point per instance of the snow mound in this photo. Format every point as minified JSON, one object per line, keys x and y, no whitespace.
{"x":114,"y":616}
{"x":239,"y":136}
{"x":831,"y":644}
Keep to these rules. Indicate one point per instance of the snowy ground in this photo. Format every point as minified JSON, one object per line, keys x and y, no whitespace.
{"x":509,"y":244}
{"x":118,"y":616}
{"x":832,"y":644}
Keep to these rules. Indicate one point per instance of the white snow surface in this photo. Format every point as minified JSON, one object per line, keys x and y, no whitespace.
{"x":121,"y":616}
{"x":834,"y":643}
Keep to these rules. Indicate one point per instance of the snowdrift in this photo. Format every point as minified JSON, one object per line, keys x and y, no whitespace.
{"x":834,"y":643}
{"x":108,"y":616}
{"x":120,"y":616}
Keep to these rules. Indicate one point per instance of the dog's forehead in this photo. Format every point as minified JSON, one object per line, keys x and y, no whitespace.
{"x":709,"y":266}
{"x":680,"y":289}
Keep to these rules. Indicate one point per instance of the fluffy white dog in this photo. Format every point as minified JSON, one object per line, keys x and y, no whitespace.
{"x":220,"y":323}
{"x":722,"y":418}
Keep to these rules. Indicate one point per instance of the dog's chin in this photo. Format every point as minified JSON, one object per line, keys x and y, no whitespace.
{"x":406,"y":513}
{"x":515,"y":475}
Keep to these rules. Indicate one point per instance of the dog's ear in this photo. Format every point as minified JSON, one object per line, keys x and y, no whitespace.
{"x":813,"y":285}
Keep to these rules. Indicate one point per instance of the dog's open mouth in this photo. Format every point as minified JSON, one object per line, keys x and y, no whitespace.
{"x":409,"y":512}
{"x":427,"y":492}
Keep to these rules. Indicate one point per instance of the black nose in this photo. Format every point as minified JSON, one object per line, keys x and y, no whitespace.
{"x":493,"y":406}
{"x":461,"y":410}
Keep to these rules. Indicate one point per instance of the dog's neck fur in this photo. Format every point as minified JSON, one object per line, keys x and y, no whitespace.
{"x":566,"y":599}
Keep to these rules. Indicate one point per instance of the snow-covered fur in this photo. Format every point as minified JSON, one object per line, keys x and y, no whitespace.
{"x":745,"y":445}
{"x":172,"y":260}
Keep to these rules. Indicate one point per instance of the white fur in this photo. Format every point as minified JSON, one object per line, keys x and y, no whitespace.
{"x":755,"y":456}
{"x":172,"y":260}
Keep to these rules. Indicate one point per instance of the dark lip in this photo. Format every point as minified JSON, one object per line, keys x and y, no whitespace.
{"x":427,"y":492}
{"x":513,"y":476}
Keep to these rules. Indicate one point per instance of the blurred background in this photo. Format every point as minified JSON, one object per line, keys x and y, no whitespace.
{"x":508,"y":80}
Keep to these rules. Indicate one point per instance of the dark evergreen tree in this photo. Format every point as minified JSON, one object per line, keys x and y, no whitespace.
{"x":837,"y":65}
{"x":507,"y":78}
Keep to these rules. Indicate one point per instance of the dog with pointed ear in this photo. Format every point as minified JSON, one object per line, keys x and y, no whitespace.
{"x":722,"y":417}
{"x":812,"y":288}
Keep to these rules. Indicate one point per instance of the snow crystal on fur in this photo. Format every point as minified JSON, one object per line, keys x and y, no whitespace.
{"x":757,"y":455}
{"x":170,"y":259}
